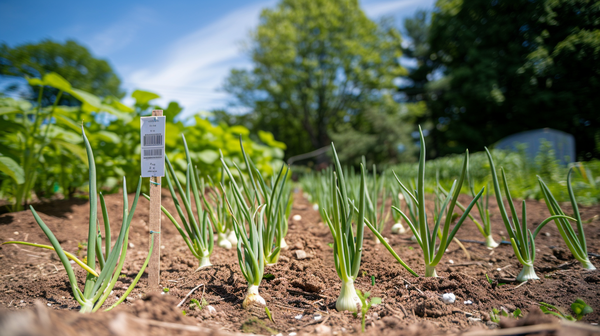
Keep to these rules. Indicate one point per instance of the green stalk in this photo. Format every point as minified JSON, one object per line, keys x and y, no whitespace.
{"x":426,"y":238}
{"x":347,"y":249}
{"x":138,"y":276}
{"x":575,"y":241}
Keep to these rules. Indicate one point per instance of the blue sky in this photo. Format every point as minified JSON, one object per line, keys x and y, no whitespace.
{"x":182,"y":50}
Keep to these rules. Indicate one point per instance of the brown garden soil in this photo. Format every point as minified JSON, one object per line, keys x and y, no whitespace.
{"x":35,"y":295}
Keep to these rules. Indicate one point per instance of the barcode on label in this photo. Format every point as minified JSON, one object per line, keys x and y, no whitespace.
{"x":153,"y":153}
{"x":153,"y":139}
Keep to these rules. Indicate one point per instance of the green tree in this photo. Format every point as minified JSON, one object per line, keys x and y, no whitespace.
{"x":512,"y":66}
{"x":70,"y":60}
{"x":316,"y":65}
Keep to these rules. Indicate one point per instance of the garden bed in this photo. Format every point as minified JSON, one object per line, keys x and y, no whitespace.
{"x":301,"y":295}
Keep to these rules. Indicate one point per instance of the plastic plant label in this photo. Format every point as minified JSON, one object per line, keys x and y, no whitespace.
{"x":153,"y":146}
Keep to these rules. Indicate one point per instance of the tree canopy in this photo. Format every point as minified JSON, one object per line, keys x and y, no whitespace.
{"x":71,"y":60}
{"x":512,"y":66}
{"x":316,"y":65}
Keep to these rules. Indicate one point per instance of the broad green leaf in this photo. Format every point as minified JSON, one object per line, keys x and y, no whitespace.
{"x":87,"y":99}
{"x":114,"y":102}
{"x":57,"y":81}
{"x":376,"y":300}
{"x":74,"y":149}
{"x":8,"y":110}
{"x":269,"y":140}
{"x":143,"y":97}
{"x":34,"y":81}
{"x":12,"y":169}
{"x":208,"y":156}
{"x":107,"y":136}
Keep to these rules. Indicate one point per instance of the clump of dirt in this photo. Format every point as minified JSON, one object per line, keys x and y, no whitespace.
{"x":160,"y":307}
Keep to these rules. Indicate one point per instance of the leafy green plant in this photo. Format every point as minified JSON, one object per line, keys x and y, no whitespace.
{"x":397,"y":197}
{"x":426,"y":238}
{"x":257,"y":192}
{"x":579,"y":307}
{"x":375,"y":209}
{"x":198,"y":234}
{"x":495,"y":314}
{"x":365,"y":306}
{"x":216,"y":208}
{"x":250,"y":246}
{"x":575,"y":241}
{"x":484,"y":213}
{"x":165,"y":289}
{"x":347,"y":248}
{"x":521,"y":238}
{"x":197,"y":304}
{"x":110,"y":261}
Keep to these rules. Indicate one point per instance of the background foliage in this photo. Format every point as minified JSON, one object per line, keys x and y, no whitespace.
{"x":41,"y":147}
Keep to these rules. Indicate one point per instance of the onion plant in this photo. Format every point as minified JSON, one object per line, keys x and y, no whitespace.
{"x":521,"y":238}
{"x":216,"y":209}
{"x":575,"y":241}
{"x":397,"y":198}
{"x":375,"y":211}
{"x":98,"y":286}
{"x":261,"y":206}
{"x":347,"y":247}
{"x":426,"y":238}
{"x":484,"y":213}
{"x":196,"y":232}
{"x":250,"y":247}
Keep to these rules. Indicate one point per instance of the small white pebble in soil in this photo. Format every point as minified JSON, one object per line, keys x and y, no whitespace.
{"x":131,"y":245}
{"x":72,"y":261}
{"x":162,"y":247}
{"x":300,"y":254}
{"x":211,"y":310}
{"x":16,"y":233}
{"x":298,"y":317}
{"x":547,"y":234}
{"x":451,"y":261}
{"x":297,"y":217}
{"x":292,"y":334}
{"x":468,"y":302}
{"x":538,"y":250}
{"x":498,"y":269}
{"x":22,"y":301}
{"x":49,"y":305}
{"x":316,"y":207}
{"x":448,"y":298}
{"x":318,"y":317}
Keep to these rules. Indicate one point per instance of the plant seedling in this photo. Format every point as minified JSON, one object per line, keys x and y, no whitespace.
{"x":426,"y":238}
{"x":98,"y":286}
{"x":165,"y":289}
{"x":521,"y":238}
{"x":553,"y":310}
{"x":347,"y":248}
{"x":580,"y":308}
{"x":269,"y":314}
{"x":365,"y":306}
{"x":198,"y":234}
{"x":196,"y":304}
{"x":575,"y":241}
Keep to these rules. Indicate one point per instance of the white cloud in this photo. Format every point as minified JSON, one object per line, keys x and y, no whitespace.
{"x":120,"y":33}
{"x":379,"y":8}
{"x":195,"y":66}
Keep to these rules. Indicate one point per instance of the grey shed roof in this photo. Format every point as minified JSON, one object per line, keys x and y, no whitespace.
{"x":563,"y":143}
